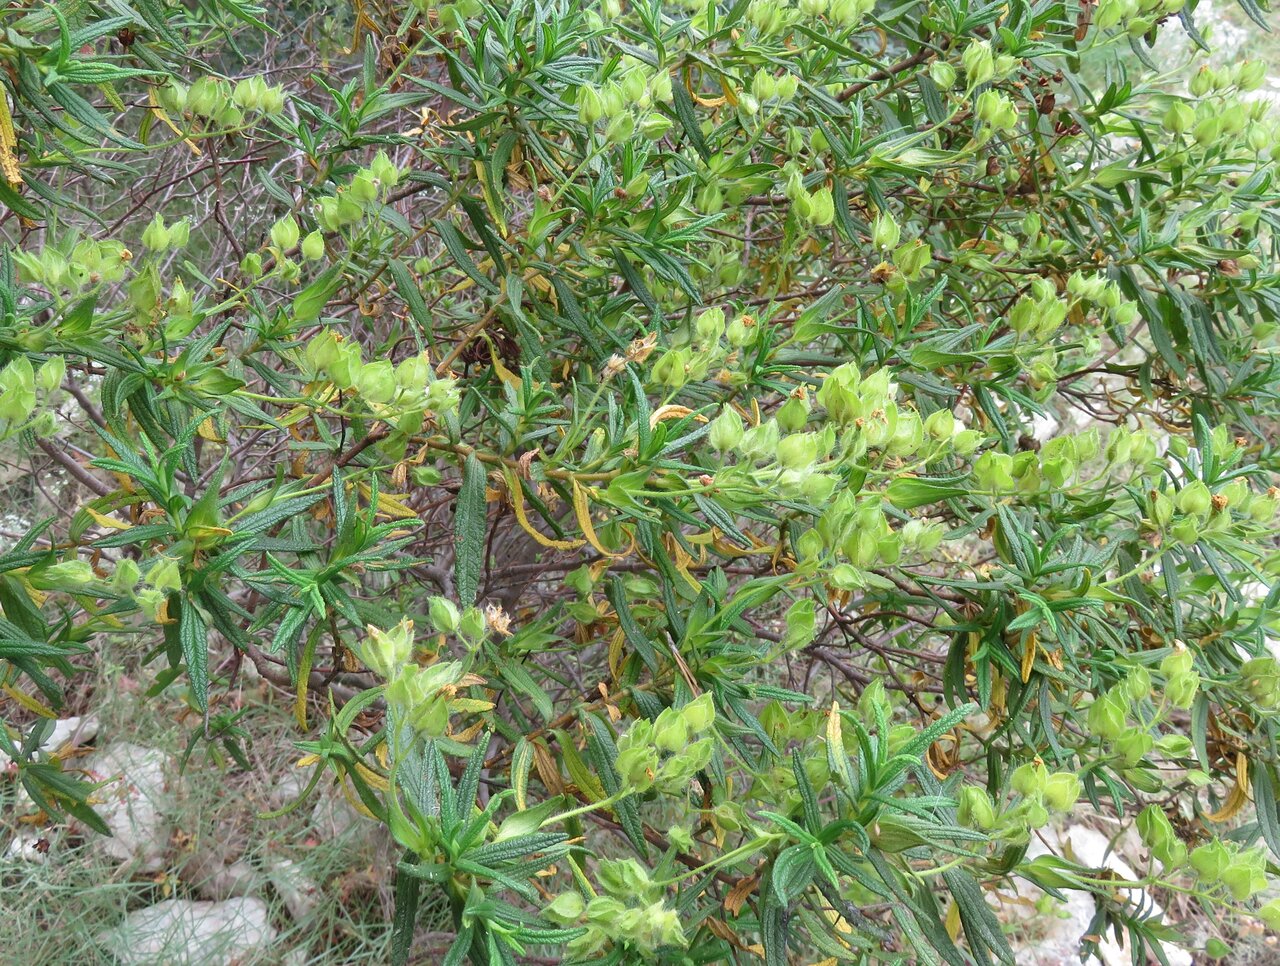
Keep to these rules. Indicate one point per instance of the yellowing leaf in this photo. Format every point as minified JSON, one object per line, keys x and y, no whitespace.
{"x":583,"y":512}
{"x":102,"y":520}
{"x":671,"y":411}
{"x":1029,"y":650}
{"x":159,"y":112}
{"x":28,"y":702}
{"x":389,"y":504}
{"x":516,"y":495}
{"x":208,"y":431}
{"x":8,"y":142}
{"x":505,"y":374}
{"x":1239,"y":794}
{"x":953,"y":921}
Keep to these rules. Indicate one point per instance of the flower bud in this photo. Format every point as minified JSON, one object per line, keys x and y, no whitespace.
{"x":384,"y":171}
{"x":740,"y":330}
{"x":362,"y":189}
{"x":709,"y":326}
{"x":1210,"y":861}
{"x":386,"y":652}
{"x":660,"y":88}
{"x":943,"y":74}
{"x":172,"y":97}
{"x":885,"y":232}
{"x":978,"y":62}
{"x":975,"y":809}
{"x":1251,"y":75}
{"x":472,"y":625}
{"x":763,"y":86}
{"x":376,"y":381}
{"x":994,"y":471}
{"x":1181,"y":689}
{"x":1029,"y":779}
{"x":1179,"y":118}
{"x":912,"y":259}
{"x":125,"y":576}
{"x":760,"y":442}
{"x":798,"y":451}
{"x":620,"y":128}
{"x":821,"y":208}
{"x":672,"y":370}
{"x":1195,"y":499}
{"x":655,"y":126}
{"x":1270,"y":915}
{"x":566,"y":909}
{"x":1062,"y":790}
{"x":50,"y":375}
{"x":699,"y":714}
{"x":1262,"y":508}
{"x":967,"y":441}
{"x":1207,"y":130}
{"x":444,"y":615}
{"x":1138,"y":683}
{"x":203,"y":97}
{"x":794,"y":413}
{"x":1133,"y":745}
{"x":940,"y":424}
{"x":414,"y":694}
{"x":1185,"y":530}
{"x":17,"y":390}
{"x":273,"y":100}
{"x":248,"y":93}
{"x":64,"y":575}
{"x":726,"y":431}
{"x":313,"y":246}
{"x":284,"y":233}
{"x":1106,"y":717}
{"x":156,"y":237}
{"x":670,"y":731}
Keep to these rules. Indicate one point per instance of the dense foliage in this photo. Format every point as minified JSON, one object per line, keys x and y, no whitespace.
{"x":717,"y":478}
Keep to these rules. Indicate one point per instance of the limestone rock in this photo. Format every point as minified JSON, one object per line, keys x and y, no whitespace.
{"x":296,"y":889}
{"x":232,"y":933}
{"x":1060,"y":942}
{"x":135,"y":803}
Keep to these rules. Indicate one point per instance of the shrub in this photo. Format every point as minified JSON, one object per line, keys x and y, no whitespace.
{"x":715,"y":478}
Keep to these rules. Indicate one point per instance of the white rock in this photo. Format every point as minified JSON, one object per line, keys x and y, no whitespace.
{"x":74,"y":731}
{"x":336,"y":817}
{"x":231,"y":933}
{"x":1044,"y":428}
{"x":286,"y":789}
{"x":217,"y":882}
{"x":135,"y":802}
{"x":1061,"y":943}
{"x":25,"y":846}
{"x":297,"y":890}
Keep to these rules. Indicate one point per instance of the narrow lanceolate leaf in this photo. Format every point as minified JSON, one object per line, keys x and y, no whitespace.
{"x":194,"y":637}
{"x":468,"y":531}
{"x":8,"y":145}
{"x":521,"y":761}
{"x":407,"y":893}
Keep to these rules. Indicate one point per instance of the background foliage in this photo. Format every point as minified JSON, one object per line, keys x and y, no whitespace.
{"x":714,"y":479}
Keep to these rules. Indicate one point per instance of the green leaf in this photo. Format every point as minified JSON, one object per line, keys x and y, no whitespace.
{"x":909,"y":492}
{"x":470,"y":524}
{"x":194,"y":637}
{"x":308,"y":303}
{"x":407,"y":896}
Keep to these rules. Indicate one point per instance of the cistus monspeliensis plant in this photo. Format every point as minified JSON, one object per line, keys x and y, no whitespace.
{"x":717,"y":481}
